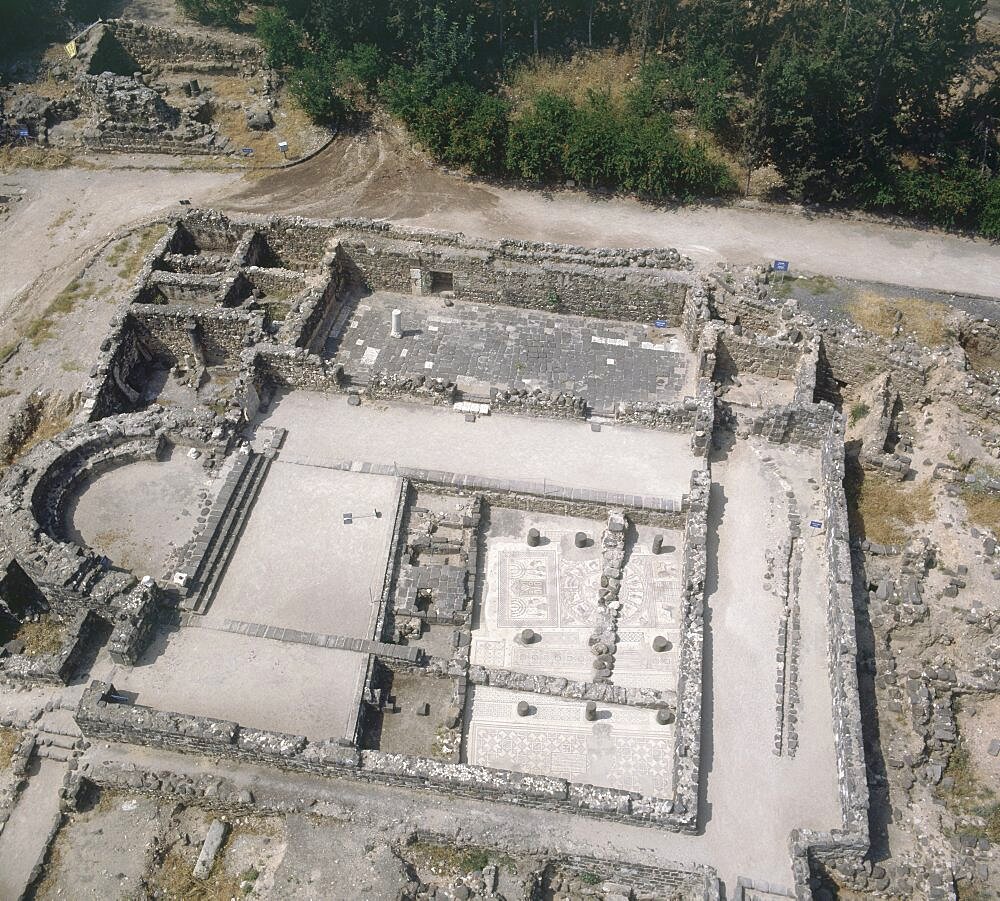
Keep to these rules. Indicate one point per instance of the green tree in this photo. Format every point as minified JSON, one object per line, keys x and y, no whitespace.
{"x":592,"y":141}
{"x":284,"y":40}
{"x":213,"y":12}
{"x":537,"y":139}
{"x":314,"y":87}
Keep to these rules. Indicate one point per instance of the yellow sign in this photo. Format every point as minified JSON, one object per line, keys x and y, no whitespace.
{"x":71,"y":49}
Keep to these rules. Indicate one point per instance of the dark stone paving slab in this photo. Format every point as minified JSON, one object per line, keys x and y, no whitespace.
{"x":481,"y":346}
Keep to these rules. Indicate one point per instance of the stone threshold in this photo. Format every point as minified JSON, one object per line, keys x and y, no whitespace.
{"x":316,"y":639}
{"x":514,"y":486}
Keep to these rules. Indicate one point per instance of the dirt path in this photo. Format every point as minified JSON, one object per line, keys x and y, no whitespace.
{"x":378,"y":175}
{"x":26,"y":835}
{"x":61,"y":214}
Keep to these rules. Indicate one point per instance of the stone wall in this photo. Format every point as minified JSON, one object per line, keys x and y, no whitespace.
{"x":33,"y":492}
{"x":687,"y":734}
{"x":796,"y":423}
{"x":641,"y":285}
{"x":134,"y":623}
{"x":853,"y":360}
{"x":58,"y":667}
{"x":152,"y":46}
{"x":101,"y":719}
{"x":183,"y":289}
{"x":110,"y":389}
{"x":842,"y":652}
{"x":770,"y":357}
{"x":220,"y":335}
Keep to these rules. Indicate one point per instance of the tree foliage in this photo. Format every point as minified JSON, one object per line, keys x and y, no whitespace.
{"x":873,"y":103}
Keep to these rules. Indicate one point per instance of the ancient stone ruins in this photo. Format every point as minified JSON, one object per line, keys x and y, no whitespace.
{"x":401,"y":508}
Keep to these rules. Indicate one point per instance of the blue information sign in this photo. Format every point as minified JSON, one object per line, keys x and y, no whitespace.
{"x":660,"y":323}
{"x":247,"y":151}
{"x":22,"y":132}
{"x":780,"y":266}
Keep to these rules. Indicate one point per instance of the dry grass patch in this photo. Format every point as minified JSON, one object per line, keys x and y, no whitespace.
{"x":43,"y":637}
{"x":603,"y":71}
{"x":290,"y":123}
{"x":970,"y":797}
{"x":447,"y":860}
{"x":173,"y":881}
{"x":926,"y":320}
{"x":884,"y":510}
{"x":9,"y":739}
{"x":983,"y":509}
{"x":131,"y":261}
{"x":32,"y":157}
{"x":40,"y":330}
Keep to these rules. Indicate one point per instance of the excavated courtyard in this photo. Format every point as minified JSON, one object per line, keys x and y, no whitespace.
{"x":520,"y":556}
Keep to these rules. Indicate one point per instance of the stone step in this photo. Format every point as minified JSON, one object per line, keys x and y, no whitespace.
{"x":228,"y":529}
{"x":53,"y":753}
{"x":220,"y":514}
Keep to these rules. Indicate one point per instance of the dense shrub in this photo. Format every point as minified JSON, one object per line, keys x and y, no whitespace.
{"x":536,"y":143}
{"x":213,"y":12}
{"x":313,"y":85}
{"x":989,"y":214}
{"x":956,"y":195}
{"x":592,"y":142}
{"x":281,"y":37}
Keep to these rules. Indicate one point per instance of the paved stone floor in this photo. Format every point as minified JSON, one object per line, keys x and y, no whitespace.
{"x":480,"y":346}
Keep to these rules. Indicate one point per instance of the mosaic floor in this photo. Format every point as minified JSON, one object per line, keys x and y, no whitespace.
{"x":625,"y":748}
{"x":553,"y":590}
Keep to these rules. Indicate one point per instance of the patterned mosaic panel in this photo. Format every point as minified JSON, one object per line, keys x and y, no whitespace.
{"x":625,"y":749}
{"x":527,"y":588}
{"x":554,"y":589}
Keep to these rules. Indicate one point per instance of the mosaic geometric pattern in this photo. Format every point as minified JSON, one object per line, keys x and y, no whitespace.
{"x":625,"y":751}
{"x":650,"y":591}
{"x":579,"y":584}
{"x":527,"y":589}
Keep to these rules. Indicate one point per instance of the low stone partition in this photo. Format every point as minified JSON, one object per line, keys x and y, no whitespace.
{"x":557,"y":686}
{"x":392,"y":386}
{"x":58,"y":667}
{"x":537,"y":402}
{"x":693,"y":414}
{"x":852,"y":838}
{"x":292,"y":367}
{"x":687,"y":733}
{"x":675,"y":880}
